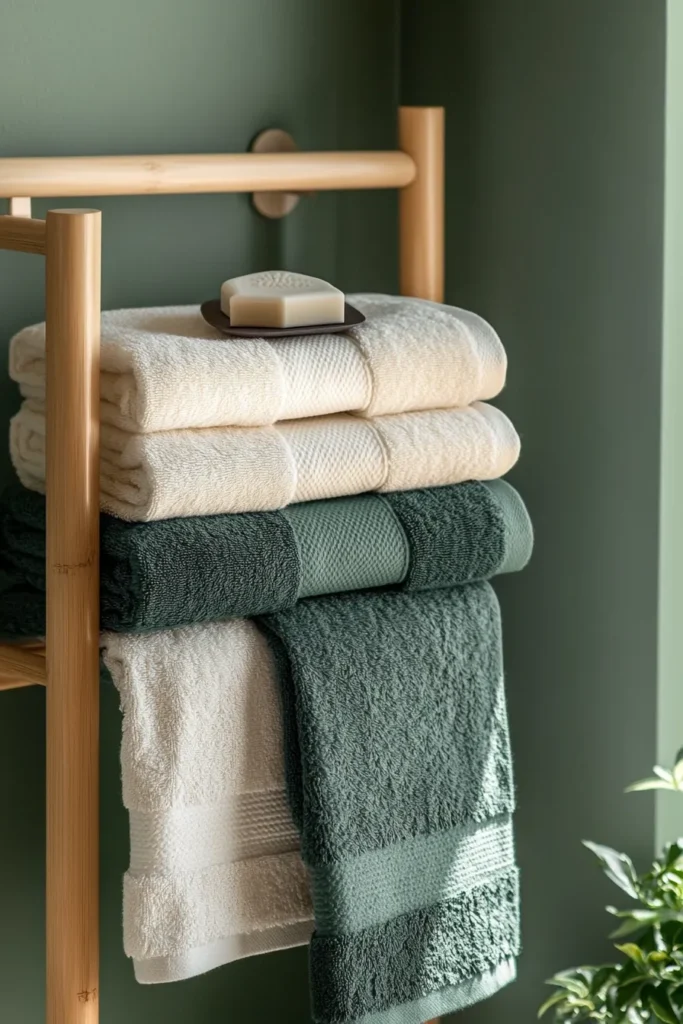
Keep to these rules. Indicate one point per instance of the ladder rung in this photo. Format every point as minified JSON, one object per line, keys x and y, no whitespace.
{"x":21,"y":666}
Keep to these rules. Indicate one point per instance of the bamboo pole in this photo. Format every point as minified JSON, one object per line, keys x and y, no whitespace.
{"x":72,"y":569}
{"x":210,"y":172}
{"x":421,"y":204}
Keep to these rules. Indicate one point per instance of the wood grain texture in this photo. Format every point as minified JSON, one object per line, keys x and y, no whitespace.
{"x":22,"y":234}
{"x":20,"y":667}
{"x":211,"y":172}
{"x":421,"y":204}
{"x":72,"y":367}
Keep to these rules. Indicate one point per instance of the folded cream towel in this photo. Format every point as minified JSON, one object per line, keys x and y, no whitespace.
{"x":244,"y":469}
{"x":215,"y":871}
{"x":167,"y":369}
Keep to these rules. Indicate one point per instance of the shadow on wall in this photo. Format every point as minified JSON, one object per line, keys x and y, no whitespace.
{"x":554,"y":226}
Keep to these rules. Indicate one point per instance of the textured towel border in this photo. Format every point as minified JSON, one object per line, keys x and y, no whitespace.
{"x":415,"y":955}
{"x":364,"y":891}
{"x":350,"y":543}
{"x":447,"y":1000}
{"x":166,"y":914}
{"x":250,"y":825}
{"x":519,"y":530}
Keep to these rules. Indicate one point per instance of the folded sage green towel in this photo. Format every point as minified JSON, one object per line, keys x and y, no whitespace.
{"x":176,"y":572}
{"x":400,"y":781}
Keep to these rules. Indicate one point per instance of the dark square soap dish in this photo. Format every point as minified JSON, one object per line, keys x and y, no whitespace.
{"x":214,"y":315}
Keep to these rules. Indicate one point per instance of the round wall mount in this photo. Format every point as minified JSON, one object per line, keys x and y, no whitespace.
{"x":274,"y":204}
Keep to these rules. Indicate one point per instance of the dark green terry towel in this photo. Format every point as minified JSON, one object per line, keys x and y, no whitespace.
{"x":176,"y":572}
{"x":400,"y":780}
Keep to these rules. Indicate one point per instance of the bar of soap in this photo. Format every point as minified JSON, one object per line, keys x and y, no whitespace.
{"x":279,"y":298}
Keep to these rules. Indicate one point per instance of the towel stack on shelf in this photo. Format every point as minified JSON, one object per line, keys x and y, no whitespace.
{"x":293,"y":761}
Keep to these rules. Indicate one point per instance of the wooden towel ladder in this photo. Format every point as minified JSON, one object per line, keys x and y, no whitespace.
{"x":68,"y":665}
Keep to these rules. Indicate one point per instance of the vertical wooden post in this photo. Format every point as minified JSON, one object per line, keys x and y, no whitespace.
{"x":421,"y":209}
{"x":72,"y":876}
{"x":421,"y":204}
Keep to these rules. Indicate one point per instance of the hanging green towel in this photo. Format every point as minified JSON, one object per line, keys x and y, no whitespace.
{"x":400,"y":781}
{"x":176,"y":572}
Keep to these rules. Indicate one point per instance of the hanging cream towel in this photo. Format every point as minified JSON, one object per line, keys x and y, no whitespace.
{"x":215,"y":871}
{"x":167,"y":369}
{"x":244,"y":469}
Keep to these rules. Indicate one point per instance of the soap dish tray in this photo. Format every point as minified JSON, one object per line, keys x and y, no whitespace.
{"x":214,"y":315}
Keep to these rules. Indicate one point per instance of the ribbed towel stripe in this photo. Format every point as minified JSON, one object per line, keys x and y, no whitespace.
{"x":190,"y":838}
{"x":367,"y":890}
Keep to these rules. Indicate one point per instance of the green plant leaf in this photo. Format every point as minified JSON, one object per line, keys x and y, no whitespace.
{"x":644,"y":784}
{"x":637,"y":913}
{"x":617,"y":866}
{"x":633,"y":921}
{"x":663,"y":773}
{"x":662,"y":1007}
{"x":672,"y":854}
{"x":635,"y":954}
{"x":572,"y":984}
{"x":627,"y":928}
{"x":602,"y":976}
{"x":555,"y":998}
{"x":628,"y":992}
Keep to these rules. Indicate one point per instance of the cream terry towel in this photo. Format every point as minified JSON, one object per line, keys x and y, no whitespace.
{"x":244,"y":469}
{"x":215,"y":871}
{"x":167,"y":369}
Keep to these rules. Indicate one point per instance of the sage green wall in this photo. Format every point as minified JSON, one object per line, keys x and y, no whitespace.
{"x":555,"y":198}
{"x":165,"y":76}
{"x":555,"y":121}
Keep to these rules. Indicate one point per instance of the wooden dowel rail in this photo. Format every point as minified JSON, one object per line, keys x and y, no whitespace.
{"x":22,"y":234}
{"x":210,"y":172}
{"x":21,"y":667}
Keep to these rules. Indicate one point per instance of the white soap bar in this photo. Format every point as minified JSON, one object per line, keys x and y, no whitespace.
{"x":278,"y":298}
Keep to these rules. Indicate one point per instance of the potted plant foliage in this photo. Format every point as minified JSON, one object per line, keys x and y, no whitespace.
{"x":646,"y":985}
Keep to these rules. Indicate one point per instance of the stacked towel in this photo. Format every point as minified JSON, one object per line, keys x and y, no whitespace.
{"x":244,"y":469}
{"x":235,"y":480}
{"x":175,"y":572}
{"x":167,"y":369}
{"x":215,"y":870}
{"x":194,"y":424}
{"x":399,"y":778}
